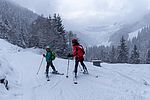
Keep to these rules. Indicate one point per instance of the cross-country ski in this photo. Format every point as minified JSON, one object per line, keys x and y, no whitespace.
{"x":58,"y":73}
{"x":47,"y":77}
{"x":75,"y":80}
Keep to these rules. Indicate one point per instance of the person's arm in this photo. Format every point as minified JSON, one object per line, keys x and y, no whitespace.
{"x":73,"y":53}
{"x":44,"y":55}
{"x":75,"y":49}
{"x":70,"y":55}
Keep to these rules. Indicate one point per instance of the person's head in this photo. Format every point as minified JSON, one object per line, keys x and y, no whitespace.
{"x":48,"y":49}
{"x":75,"y":42}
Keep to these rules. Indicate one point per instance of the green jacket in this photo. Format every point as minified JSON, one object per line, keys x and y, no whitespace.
{"x":48,"y":56}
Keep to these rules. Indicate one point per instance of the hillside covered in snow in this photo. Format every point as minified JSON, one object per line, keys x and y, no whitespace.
{"x":109,"y":82}
{"x":23,"y":27}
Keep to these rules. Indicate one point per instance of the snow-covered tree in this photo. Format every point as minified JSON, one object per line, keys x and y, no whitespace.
{"x":135,"y":56}
{"x":15,"y":23}
{"x":148,"y":57}
{"x":113,"y":55}
{"x":45,"y":32}
{"x":59,"y":26}
{"x":122,"y":51}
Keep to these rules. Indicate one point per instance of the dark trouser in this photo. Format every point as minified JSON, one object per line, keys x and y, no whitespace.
{"x":76,"y":65}
{"x":52,"y":66}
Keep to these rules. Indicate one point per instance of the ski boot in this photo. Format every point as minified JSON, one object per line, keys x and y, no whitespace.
{"x":54,"y":72}
{"x":85,"y":71}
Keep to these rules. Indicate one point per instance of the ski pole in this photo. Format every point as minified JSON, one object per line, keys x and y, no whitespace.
{"x":80,"y":67}
{"x":67,"y":68}
{"x":40,"y":66}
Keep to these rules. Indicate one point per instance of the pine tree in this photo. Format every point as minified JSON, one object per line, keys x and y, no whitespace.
{"x":70,"y":37}
{"x":135,"y":56}
{"x":44,"y":33}
{"x":112,"y":55}
{"x":122,"y":52}
{"x":148,"y":57}
{"x":59,"y":28}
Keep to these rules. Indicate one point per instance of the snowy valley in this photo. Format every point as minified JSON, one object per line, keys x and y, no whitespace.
{"x":121,"y":43}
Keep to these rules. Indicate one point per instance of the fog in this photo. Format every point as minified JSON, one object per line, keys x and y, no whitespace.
{"x":77,"y":13}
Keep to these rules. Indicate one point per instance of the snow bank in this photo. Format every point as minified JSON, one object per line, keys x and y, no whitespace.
{"x":8,"y":72}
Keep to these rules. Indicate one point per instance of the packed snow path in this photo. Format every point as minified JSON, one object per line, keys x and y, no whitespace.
{"x":114,"y":81}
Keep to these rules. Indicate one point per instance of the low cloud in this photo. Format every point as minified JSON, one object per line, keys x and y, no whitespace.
{"x":90,"y":11}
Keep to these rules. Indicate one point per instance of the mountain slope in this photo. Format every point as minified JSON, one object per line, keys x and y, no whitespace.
{"x":15,"y":22}
{"x":110,"y":34}
{"x":126,"y":29}
{"x":114,"y":82}
{"x":24,"y":28}
{"x":98,"y":35}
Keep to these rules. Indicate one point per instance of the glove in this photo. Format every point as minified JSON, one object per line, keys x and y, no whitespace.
{"x":70,"y":55}
{"x":43,"y":55}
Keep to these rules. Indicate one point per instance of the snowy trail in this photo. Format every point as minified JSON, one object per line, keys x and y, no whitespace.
{"x":27,"y":69}
{"x":113,"y":81}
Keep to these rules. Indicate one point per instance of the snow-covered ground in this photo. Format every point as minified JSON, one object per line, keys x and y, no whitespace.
{"x":114,"y":81}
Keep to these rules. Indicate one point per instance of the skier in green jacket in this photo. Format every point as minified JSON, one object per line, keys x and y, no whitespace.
{"x":49,"y":58}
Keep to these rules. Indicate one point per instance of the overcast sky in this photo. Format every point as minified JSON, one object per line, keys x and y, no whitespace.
{"x":93,"y":12}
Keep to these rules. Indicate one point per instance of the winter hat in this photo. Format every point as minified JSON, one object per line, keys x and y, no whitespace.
{"x":47,"y":47}
{"x":74,"y":41}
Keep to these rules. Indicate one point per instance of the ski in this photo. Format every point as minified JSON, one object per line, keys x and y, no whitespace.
{"x":57,"y":73}
{"x":47,"y":77}
{"x":75,"y":80}
{"x":85,"y":73}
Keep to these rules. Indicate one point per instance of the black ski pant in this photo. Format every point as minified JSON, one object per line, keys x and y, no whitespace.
{"x":50,"y":64}
{"x":76,"y":65}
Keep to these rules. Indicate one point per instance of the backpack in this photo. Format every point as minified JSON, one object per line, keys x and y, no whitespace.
{"x":53,"y":56}
{"x":80,"y":50}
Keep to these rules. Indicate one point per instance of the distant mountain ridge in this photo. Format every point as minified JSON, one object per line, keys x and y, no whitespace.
{"x":110,"y":34}
{"x":129,"y":28}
